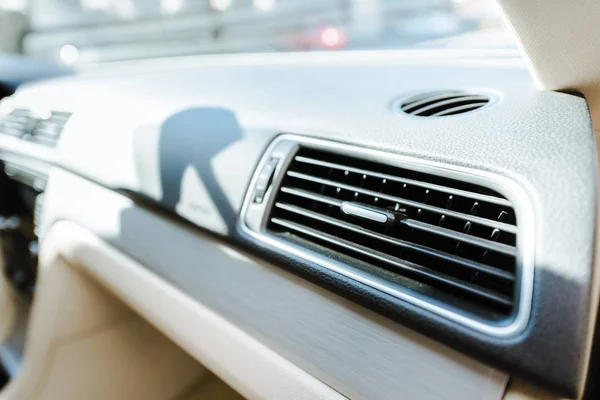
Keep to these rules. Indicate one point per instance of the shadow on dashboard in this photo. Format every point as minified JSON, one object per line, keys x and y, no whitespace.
{"x":193,"y":137}
{"x":178,"y":164}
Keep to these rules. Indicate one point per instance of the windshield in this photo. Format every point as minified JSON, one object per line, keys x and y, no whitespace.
{"x":80,"y":31}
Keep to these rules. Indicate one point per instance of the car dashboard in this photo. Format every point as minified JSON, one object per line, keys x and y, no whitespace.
{"x":391,"y":224}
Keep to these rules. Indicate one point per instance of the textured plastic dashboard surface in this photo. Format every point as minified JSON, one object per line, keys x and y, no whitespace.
{"x":186,"y":134}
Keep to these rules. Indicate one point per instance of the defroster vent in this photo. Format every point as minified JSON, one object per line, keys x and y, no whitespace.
{"x":448,"y":241}
{"x":444,"y":103}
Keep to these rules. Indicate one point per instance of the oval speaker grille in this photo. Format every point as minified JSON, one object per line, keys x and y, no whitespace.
{"x":450,"y":240}
{"x":441,"y":104}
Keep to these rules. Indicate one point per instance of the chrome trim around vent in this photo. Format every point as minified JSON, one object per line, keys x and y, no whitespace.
{"x":254,"y":220}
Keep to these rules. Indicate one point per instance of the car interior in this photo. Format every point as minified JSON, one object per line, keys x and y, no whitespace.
{"x":285,"y":199}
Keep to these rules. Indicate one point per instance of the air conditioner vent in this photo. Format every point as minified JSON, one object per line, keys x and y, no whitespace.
{"x":43,"y":129}
{"x":17,"y":123}
{"x":441,"y":104}
{"x":451,"y":241}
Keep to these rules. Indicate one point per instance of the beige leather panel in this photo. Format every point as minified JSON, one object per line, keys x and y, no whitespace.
{"x":8,"y":305}
{"x":83,"y":343}
{"x":561,"y":43}
{"x":245,"y":364}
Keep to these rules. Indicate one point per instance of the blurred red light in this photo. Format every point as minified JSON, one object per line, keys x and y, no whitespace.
{"x":332,"y":37}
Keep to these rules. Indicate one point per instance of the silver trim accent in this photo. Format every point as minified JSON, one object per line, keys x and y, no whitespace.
{"x":517,"y":194}
{"x":357,"y":210}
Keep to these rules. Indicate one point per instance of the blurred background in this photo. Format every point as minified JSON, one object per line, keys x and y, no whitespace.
{"x":92,"y":31}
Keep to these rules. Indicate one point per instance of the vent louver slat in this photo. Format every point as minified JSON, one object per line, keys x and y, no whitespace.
{"x":448,"y":240}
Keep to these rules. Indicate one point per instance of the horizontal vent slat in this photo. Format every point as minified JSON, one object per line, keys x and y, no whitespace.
{"x":45,"y":140}
{"x":60,"y":115}
{"x":397,"y":263}
{"x":459,"y":109}
{"x":49,"y":131}
{"x":16,"y":119}
{"x":442,"y":211}
{"x":445,"y":189}
{"x":15,"y":124}
{"x":11,"y":131}
{"x":400,"y":243}
{"x":486,"y":244}
{"x":427,"y":98}
{"x":312,"y":196}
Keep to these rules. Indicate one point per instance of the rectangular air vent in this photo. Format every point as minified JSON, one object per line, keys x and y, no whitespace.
{"x":17,"y":123}
{"x":450,"y":236}
{"x":43,"y":129}
{"x":439,"y":236}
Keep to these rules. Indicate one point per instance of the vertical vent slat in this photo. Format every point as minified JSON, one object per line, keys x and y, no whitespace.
{"x":443,"y":238}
